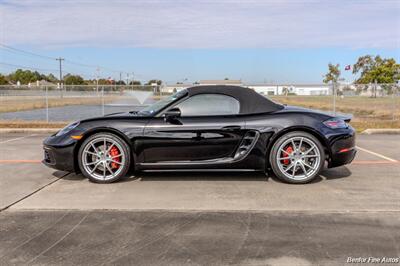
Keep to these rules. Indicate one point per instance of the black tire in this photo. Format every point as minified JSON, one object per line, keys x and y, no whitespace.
{"x":275,"y":151}
{"x":124,"y":166}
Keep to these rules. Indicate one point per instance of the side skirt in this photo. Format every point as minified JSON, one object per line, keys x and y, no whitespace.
{"x":202,"y":170}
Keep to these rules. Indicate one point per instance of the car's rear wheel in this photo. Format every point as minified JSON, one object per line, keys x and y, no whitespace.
{"x":297,"y":157}
{"x":104,"y":158}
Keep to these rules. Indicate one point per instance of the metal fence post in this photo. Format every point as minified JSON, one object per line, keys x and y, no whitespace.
{"x":102,"y":100}
{"x":47,"y":105}
{"x":394,"y":93}
{"x":334,"y":97}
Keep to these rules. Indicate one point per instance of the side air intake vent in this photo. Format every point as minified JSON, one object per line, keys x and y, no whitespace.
{"x":247,"y":144}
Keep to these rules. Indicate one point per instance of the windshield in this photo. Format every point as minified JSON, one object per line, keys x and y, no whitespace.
{"x":156,"y":107}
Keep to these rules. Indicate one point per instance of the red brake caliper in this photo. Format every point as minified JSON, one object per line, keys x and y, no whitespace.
{"x":288,"y":150}
{"x":114,"y":152}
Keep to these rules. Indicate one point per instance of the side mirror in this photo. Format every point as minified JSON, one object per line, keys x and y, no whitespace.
{"x":172,"y":114}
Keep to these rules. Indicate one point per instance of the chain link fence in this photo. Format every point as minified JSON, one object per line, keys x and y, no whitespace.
{"x":52,"y":104}
{"x":372,"y":103}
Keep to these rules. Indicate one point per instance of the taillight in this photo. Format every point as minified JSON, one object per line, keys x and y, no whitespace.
{"x":335,"y":123}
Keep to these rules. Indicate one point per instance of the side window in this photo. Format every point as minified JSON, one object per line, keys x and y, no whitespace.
{"x":209,"y":104}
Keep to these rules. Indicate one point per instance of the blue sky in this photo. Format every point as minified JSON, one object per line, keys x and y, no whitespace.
{"x":256,"y":41}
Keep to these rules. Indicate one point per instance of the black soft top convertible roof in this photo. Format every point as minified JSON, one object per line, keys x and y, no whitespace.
{"x":250,"y":101}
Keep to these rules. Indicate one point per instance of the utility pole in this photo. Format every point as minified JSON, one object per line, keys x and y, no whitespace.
{"x":61,"y":79}
{"x":133,"y":80}
{"x":127,"y":79}
{"x":120,"y":78}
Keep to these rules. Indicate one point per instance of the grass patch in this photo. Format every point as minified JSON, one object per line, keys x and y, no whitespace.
{"x":30,"y":124}
{"x":361,"y":125}
{"x":24,"y":103}
{"x":387,"y":108}
{"x":381,"y":112}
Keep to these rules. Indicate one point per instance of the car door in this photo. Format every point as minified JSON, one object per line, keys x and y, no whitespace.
{"x":208,"y":128}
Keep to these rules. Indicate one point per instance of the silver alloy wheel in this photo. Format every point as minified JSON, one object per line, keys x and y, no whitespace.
{"x":302,"y":161}
{"x":97,"y":160}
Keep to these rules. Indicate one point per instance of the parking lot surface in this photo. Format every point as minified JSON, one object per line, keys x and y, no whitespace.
{"x":54,"y":217}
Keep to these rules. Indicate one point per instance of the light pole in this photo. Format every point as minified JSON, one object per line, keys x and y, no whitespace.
{"x":334,"y":97}
{"x":61,"y":79}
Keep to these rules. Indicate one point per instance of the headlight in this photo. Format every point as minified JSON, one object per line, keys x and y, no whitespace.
{"x":67,"y":129}
{"x":335,"y":123}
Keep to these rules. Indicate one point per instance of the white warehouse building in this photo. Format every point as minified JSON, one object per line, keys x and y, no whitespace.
{"x":298,"y":89}
{"x":264,"y":89}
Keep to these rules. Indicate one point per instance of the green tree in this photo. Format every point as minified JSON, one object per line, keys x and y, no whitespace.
{"x":135,"y":82}
{"x":376,"y":69}
{"x":51,"y":78}
{"x":24,"y":76}
{"x":120,"y":82}
{"x":3,"y":80}
{"x":90,"y":81}
{"x":70,"y":79}
{"x":104,"y":81}
{"x":333,"y":74}
{"x":159,"y":82}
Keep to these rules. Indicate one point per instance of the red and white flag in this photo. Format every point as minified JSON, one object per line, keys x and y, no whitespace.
{"x":348,"y":67}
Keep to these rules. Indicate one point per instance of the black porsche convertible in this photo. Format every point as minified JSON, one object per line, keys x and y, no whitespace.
{"x":205,"y":128}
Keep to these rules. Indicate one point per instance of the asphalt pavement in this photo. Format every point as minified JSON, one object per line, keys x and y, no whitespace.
{"x":195,"y":238}
{"x":50,"y":217}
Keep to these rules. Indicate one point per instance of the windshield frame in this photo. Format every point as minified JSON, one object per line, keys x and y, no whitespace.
{"x":179,"y":95}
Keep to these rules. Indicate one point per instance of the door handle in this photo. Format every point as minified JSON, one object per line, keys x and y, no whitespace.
{"x":231,"y":128}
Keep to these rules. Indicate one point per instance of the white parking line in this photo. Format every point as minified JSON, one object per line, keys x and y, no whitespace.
{"x":377,"y":154}
{"x":9,"y":140}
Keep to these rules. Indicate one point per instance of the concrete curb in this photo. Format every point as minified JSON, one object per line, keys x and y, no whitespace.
{"x":374,"y":131}
{"x":29,"y":130}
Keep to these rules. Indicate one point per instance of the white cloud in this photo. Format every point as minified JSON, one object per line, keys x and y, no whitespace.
{"x":202,"y":24}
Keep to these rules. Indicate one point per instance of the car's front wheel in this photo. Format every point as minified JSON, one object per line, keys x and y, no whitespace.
{"x":297,"y":157}
{"x":104,"y":158}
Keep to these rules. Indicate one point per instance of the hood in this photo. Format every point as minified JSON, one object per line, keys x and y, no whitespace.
{"x":119,"y":114}
{"x":131,"y":113}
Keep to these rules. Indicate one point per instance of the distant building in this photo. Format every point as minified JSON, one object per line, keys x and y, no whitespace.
{"x":264,"y":89}
{"x":172,"y":88}
{"x":175,"y":87}
{"x":298,"y":89}
{"x":44,"y":83}
{"x":312,"y":89}
{"x":221,"y":82}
